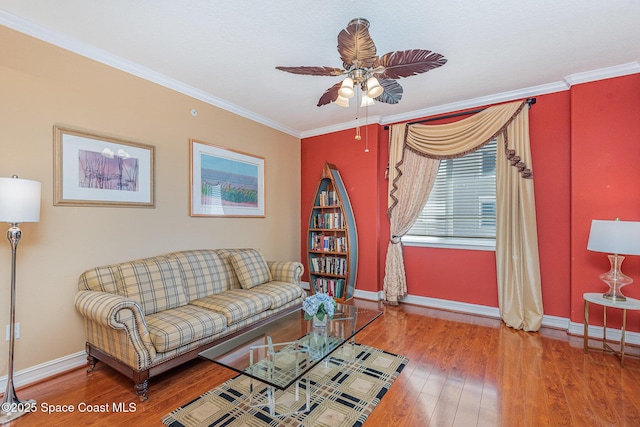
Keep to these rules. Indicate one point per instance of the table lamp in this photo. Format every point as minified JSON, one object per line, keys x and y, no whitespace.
{"x":19,"y":202}
{"x":615,"y":238}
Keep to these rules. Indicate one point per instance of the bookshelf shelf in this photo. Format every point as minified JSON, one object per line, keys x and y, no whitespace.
{"x":332,"y":243}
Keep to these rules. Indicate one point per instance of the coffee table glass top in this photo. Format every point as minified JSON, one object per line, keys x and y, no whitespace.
{"x":282,"y":351}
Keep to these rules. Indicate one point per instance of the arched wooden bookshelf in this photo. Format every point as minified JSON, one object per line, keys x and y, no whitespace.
{"x":332,"y":239}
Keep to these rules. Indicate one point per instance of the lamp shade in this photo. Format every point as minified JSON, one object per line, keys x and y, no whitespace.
{"x":373,"y":88}
{"x":19,"y":200}
{"x":342,"y":101}
{"x":615,"y":237}
{"x":367,"y":101}
{"x":346,"y":88}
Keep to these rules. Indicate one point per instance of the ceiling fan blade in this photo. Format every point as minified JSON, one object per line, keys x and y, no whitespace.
{"x":392,"y":92}
{"x":313,"y":71}
{"x":355,"y":46}
{"x":408,"y":63}
{"x":329,"y":95}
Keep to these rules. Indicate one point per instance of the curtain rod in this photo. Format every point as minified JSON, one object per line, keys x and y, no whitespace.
{"x":530,"y":102}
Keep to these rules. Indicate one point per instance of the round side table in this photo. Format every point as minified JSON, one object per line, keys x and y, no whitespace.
{"x":597,"y":298}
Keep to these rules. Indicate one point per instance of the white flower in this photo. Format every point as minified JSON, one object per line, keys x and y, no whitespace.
{"x":319,"y":305}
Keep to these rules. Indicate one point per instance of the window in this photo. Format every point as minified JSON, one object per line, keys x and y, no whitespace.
{"x":461,"y":210}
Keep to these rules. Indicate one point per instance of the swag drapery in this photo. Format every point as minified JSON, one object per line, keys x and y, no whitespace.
{"x":415,"y":152}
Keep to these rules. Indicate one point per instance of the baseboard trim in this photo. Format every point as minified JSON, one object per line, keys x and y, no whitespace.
{"x":57,"y":366}
{"x":45,"y":370}
{"x":461,"y":307}
{"x":597,"y":332}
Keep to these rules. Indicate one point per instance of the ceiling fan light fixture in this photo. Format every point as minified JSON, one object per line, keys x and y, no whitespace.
{"x":346,"y":89}
{"x":367,"y":101}
{"x":342,"y":101}
{"x":374,"y":89}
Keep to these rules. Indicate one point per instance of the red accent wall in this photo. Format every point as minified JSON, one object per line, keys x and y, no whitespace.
{"x":605,"y":153}
{"x":585,"y":145}
{"x":550,"y":136}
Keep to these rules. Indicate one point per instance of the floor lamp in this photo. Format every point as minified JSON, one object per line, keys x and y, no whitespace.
{"x":19,"y":202}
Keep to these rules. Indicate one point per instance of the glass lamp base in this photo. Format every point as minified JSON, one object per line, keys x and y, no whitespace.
{"x":614,"y":297}
{"x":616,"y":279}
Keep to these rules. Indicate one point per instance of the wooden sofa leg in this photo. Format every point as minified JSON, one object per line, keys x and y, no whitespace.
{"x":91,"y":361}
{"x":141,"y":390}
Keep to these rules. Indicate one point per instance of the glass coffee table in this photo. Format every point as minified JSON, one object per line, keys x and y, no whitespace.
{"x":280,"y":354}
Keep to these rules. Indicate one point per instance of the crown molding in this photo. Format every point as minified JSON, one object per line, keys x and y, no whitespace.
{"x":27,"y":27}
{"x":478,"y":102}
{"x":603,"y":73}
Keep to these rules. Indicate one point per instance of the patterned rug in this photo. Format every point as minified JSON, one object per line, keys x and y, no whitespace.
{"x":342,"y":394}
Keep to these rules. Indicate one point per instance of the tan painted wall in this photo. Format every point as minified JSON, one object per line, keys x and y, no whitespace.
{"x":42,"y":85}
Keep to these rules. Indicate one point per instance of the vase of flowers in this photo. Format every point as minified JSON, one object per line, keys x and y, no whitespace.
{"x":320,"y":308}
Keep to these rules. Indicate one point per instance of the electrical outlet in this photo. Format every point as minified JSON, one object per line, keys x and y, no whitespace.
{"x":16,"y":331}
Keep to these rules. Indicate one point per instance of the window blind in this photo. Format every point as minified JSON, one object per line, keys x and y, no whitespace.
{"x":462,"y":202}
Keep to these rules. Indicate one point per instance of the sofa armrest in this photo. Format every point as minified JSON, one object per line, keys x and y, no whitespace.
{"x":286,"y":271}
{"x":116,"y":325}
{"x":104,"y":307}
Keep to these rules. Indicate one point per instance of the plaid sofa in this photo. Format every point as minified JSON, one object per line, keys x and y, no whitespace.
{"x":146,"y":316}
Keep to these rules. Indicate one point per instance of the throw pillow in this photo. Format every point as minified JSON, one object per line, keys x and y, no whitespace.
{"x":251,"y":268}
{"x":155,"y":283}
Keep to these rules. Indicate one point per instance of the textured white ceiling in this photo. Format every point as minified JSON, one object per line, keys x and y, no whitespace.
{"x":226,"y":52}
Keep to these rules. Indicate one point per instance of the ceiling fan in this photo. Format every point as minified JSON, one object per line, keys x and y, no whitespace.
{"x":375,"y":75}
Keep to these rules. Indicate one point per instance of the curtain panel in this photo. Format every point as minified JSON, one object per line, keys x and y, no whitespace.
{"x":414,"y":155}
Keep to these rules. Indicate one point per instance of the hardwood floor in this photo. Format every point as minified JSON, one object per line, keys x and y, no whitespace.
{"x":463,"y":371}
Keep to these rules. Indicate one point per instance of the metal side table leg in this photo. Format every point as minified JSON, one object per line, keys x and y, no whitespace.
{"x":624,"y":327}
{"x":604,"y":331}
{"x":586,"y":327}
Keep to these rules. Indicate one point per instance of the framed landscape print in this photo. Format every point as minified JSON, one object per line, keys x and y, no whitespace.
{"x":98,"y":170}
{"x":225,"y":182}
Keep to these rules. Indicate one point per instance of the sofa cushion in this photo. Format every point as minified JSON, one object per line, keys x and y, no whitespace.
{"x":224,"y":253}
{"x":103,"y":279}
{"x":279,"y":293}
{"x":173,"y":328}
{"x":251,"y":268}
{"x":235,"y":304}
{"x":204,"y":272}
{"x":155,"y":283}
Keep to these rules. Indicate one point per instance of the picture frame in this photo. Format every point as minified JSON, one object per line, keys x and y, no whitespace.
{"x":93,"y":169}
{"x":225,"y":182}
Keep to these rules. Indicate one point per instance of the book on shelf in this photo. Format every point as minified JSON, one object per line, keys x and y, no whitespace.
{"x":329,"y":265}
{"x":326,"y":243}
{"x":328,"y":198}
{"x":333,"y":220}
{"x":332,"y":287}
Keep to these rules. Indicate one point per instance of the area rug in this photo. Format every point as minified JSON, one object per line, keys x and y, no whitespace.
{"x":343,"y":393}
